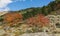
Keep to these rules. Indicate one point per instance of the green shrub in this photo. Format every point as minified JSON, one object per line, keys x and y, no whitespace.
{"x":1,"y":19}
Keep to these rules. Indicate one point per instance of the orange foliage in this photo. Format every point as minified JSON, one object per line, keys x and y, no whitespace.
{"x":31,"y":20}
{"x":41,"y":19}
{"x":10,"y":17}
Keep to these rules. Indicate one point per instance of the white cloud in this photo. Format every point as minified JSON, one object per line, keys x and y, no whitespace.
{"x":5,"y":9}
{"x":21,"y":0}
{"x":3,"y":4}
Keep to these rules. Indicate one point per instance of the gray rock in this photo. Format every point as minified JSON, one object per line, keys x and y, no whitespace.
{"x":37,"y":34}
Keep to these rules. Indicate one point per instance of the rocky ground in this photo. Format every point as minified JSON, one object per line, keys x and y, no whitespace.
{"x":38,"y":34}
{"x":22,"y":31}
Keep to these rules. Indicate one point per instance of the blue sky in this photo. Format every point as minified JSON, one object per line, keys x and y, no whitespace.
{"x":23,"y":4}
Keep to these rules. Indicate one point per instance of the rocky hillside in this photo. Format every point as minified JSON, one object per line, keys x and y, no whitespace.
{"x":52,"y":8}
{"x":30,"y":20}
{"x":2,"y":13}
